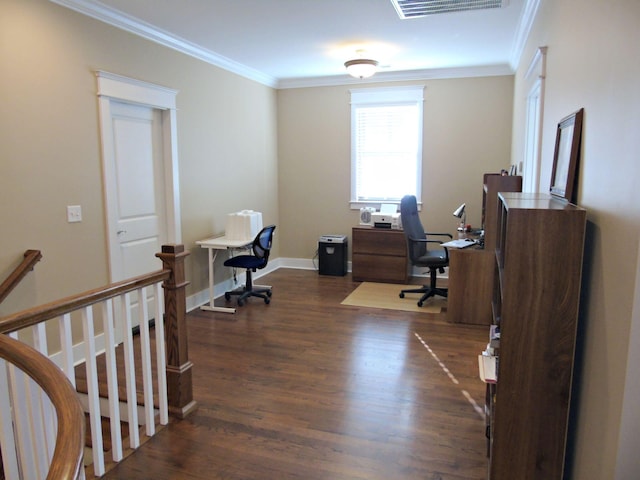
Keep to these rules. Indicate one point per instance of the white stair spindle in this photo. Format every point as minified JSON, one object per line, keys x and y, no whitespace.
{"x":66,"y":347}
{"x":145,"y":346}
{"x":92,"y":390}
{"x":22,"y":421}
{"x":112,"y":379}
{"x":44,"y":413}
{"x":161,"y":356}
{"x":130,"y":372}
{"x":8,"y":443}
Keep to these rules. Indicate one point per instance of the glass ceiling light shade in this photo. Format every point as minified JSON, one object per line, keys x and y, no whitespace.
{"x":361,"y":67}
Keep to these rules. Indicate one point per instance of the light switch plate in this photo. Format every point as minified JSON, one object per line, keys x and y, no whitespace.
{"x":74,"y":213}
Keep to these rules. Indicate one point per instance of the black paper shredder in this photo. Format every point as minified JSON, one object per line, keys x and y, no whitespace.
{"x":332,"y":255}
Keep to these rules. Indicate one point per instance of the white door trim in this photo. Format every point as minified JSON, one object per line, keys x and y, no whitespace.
{"x":534,"y":111}
{"x":116,"y":87}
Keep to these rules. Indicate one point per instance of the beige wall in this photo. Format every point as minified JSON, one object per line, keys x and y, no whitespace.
{"x":593,"y":63}
{"x":50,"y":150}
{"x":296,"y":143}
{"x":467,"y":132}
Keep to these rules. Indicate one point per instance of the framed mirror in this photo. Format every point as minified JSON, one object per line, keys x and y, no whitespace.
{"x":566,"y":156}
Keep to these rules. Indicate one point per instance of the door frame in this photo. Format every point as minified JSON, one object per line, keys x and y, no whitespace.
{"x":534,"y":115}
{"x":110,"y":87}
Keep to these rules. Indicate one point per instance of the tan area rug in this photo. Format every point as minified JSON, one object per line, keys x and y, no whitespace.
{"x":386,"y":295}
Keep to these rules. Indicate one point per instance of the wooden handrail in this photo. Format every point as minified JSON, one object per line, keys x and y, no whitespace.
{"x":31,"y":257}
{"x":179,"y":384}
{"x":178,"y":366}
{"x":69,"y":449}
{"x":35,"y":315}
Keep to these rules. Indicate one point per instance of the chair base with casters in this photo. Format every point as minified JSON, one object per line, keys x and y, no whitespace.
{"x":248,"y":290}
{"x":427,"y":290}
{"x":260,"y":255}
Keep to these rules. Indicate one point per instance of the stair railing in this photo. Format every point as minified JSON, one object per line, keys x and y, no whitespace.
{"x":113,"y":304}
{"x":31,"y":257}
{"x":63,"y":456}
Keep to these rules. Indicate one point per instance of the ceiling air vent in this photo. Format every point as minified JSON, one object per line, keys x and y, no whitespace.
{"x":422,"y":8}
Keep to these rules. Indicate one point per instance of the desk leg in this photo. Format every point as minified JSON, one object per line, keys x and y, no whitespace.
{"x":211,"y":307}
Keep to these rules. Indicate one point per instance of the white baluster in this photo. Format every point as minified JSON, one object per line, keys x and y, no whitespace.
{"x":45,"y":422}
{"x":161,"y":361}
{"x":92,"y":390}
{"x":22,"y":419}
{"x":145,"y":346}
{"x":112,"y":380}
{"x":66,"y":347}
{"x":8,"y":443}
{"x":130,"y":373}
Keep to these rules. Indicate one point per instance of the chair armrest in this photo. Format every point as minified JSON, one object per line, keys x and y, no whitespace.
{"x":448,"y":235}
{"x":439,"y":242}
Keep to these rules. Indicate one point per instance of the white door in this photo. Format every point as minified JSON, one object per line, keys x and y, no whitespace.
{"x":136,"y":197}
{"x":140,"y":168}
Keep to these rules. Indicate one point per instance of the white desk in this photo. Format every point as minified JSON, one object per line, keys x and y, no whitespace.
{"x":213,"y":245}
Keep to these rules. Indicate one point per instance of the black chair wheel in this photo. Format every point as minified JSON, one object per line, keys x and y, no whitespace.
{"x":227,"y":296}
{"x":269,"y":294}
{"x":420,"y":303}
{"x":401,"y":295}
{"x":267,"y":301}
{"x":240,"y":302}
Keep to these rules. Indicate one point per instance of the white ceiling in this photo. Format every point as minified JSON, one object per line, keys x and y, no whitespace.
{"x":292,"y":43}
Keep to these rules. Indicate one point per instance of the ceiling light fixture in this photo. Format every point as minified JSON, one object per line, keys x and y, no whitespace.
{"x":361,"y":67}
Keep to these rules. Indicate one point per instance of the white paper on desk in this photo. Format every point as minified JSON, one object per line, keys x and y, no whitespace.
{"x":460,"y":243}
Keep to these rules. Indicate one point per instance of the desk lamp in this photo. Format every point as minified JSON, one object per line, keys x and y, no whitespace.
{"x":460,"y":213}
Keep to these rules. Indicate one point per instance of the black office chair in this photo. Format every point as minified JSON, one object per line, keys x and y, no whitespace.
{"x":420,"y":249}
{"x":261,"y":247}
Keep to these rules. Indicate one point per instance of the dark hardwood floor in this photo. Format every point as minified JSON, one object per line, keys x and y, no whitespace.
{"x":305,"y":388}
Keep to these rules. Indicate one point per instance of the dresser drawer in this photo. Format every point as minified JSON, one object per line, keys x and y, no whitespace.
{"x":379,"y":255}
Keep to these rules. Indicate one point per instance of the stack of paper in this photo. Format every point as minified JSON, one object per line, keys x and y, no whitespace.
{"x":460,"y":243}
{"x":487,"y":368}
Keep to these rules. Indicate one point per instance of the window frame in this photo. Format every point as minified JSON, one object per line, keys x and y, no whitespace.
{"x":386,"y":96}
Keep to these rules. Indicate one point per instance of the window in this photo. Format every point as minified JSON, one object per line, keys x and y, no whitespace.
{"x":386,"y":144}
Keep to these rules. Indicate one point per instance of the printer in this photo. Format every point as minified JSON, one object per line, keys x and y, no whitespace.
{"x":386,"y":220}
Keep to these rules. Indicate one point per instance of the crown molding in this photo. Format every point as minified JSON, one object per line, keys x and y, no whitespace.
{"x":522,"y":33}
{"x":118,"y":19}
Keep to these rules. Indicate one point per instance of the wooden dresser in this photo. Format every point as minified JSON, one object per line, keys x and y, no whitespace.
{"x":379,"y":255}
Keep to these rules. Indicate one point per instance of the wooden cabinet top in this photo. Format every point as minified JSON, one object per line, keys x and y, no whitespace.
{"x":535,"y":201}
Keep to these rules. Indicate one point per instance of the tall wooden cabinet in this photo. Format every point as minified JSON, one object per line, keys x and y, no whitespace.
{"x":539,"y":249}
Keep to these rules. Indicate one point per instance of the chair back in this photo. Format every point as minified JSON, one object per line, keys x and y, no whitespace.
{"x":262,"y":244}
{"x":412,"y":227}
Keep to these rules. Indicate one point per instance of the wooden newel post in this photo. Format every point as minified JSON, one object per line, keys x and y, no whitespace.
{"x":179,"y":386}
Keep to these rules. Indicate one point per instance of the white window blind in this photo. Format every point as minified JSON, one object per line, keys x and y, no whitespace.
{"x":386,"y":144}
